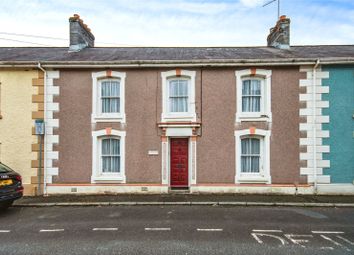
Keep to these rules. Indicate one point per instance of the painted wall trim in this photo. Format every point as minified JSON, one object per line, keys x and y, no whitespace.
{"x":311,"y":120}
{"x":51,"y":124}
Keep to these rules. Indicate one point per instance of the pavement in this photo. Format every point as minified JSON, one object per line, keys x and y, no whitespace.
{"x":187,"y":199}
{"x":203,"y":230}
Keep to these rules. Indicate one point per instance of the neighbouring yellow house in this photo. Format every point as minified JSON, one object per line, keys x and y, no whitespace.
{"x":21,"y":102}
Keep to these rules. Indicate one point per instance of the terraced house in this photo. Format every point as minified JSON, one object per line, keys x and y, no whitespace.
{"x":273,"y":119}
{"x":21,"y":102}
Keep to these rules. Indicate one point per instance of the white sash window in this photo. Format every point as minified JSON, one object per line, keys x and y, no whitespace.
{"x":178,"y":96}
{"x":110,"y":155}
{"x":108,"y":97}
{"x":252,"y":156}
{"x":178,"y":99}
{"x":253,"y":95}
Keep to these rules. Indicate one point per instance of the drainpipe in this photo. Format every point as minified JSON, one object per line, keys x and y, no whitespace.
{"x":314,"y":124}
{"x":45,"y":124}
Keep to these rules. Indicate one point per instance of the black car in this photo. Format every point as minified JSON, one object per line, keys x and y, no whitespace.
{"x":10,"y":186}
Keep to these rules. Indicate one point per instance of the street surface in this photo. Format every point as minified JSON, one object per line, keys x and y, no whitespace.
{"x":176,"y":230}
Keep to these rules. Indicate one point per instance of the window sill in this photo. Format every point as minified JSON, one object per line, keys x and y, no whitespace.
{"x":166,"y":117}
{"x":253,"y":179}
{"x":254,"y":117}
{"x":108,"y":118}
{"x":108,"y":178}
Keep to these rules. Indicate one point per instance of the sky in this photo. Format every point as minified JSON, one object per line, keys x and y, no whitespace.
{"x":176,"y":22}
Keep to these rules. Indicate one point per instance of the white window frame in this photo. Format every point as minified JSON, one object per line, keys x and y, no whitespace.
{"x":97,"y":174}
{"x":264,"y":76}
{"x":97,"y":115}
{"x":168,"y":116}
{"x":264,"y":174}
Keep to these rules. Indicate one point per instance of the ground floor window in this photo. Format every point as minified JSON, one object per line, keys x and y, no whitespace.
{"x":108,"y":154}
{"x":252,"y":156}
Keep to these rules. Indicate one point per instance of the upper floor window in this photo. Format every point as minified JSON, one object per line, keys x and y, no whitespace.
{"x":108,"y":97}
{"x":253,"y":90}
{"x":251,"y":95}
{"x":178,"y":96}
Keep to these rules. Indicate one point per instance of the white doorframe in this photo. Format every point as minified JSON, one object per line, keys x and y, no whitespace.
{"x":166,"y":157}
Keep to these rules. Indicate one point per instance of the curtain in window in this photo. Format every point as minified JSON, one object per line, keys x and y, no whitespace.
{"x":251,"y":96}
{"x":110,"y":96}
{"x":110,"y":155}
{"x":250,"y":155}
{"x":178,"y":99}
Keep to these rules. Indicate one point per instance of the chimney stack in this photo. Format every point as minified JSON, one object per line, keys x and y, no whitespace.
{"x":80,"y":35}
{"x":279,"y":36}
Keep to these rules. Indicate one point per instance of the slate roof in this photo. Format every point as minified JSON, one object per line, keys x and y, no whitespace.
{"x":173,"y":54}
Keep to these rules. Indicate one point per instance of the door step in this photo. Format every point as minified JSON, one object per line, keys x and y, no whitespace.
{"x":179,"y":190}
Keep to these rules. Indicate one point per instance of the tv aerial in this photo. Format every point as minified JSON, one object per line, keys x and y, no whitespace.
{"x":272,"y":1}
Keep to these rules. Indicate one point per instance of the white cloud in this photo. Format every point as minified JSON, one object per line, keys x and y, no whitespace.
{"x":252,"y":3}
{"x":176,"y":23}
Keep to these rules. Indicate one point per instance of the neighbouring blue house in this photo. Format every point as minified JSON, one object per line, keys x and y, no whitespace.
{"x":340,"y":82}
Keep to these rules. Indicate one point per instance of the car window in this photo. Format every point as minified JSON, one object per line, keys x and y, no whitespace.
{"x":4,"y":169}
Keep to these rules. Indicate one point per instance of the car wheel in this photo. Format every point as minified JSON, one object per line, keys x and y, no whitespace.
{"x":5,"y":205}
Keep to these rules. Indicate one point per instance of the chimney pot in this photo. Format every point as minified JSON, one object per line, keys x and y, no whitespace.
{"x":80,"y":35}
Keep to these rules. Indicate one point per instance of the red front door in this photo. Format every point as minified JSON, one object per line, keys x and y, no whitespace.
{"x":179,"y":162}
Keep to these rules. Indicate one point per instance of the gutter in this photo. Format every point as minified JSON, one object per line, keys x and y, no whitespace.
{"x":174,"y":63}
{"x":314,"y":133}
{"x":45,"y":124}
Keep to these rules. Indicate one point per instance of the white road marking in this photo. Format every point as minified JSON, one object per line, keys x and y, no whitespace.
{"x":5,"y":231}
{"x":293,"y":239}
{"x":210,"y":229}
{"x":257,"y":235}
{"x":267,"y":230}
{"x":346,"y":240}
{"x":327,"y":232}
{"x":52,"y":230}
{"x":105,"y":229}
{"x":327,"y":248}
{"x":334,"y":242}
{"x":157,"y":229}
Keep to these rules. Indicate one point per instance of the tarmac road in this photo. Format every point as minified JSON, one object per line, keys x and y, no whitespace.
{"x":176,"y":230}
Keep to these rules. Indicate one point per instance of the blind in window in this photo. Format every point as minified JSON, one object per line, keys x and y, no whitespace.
{"x":110,"y":96}
{"x":250,"y":155}
{"x":178,"y":95}
{"x":251,"y":96}
{"x":110,"y":155}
